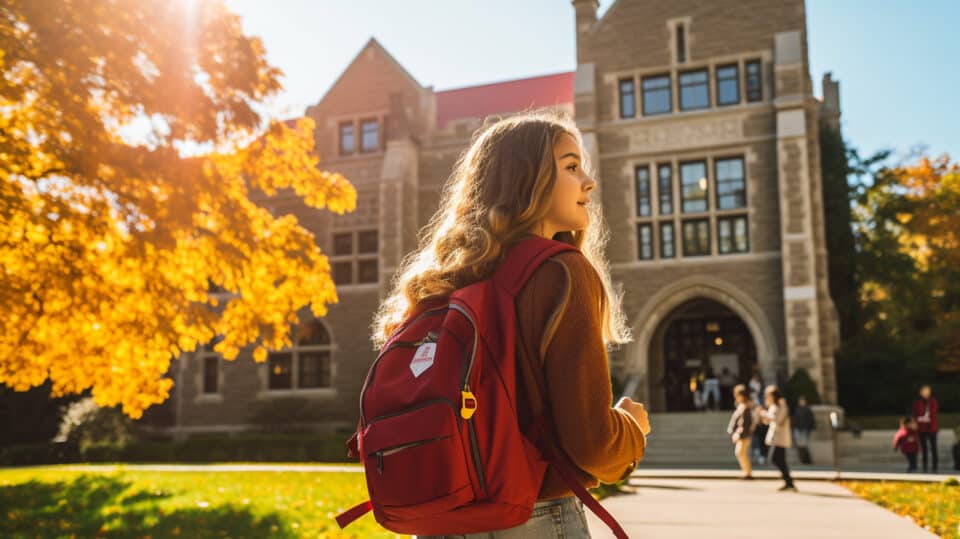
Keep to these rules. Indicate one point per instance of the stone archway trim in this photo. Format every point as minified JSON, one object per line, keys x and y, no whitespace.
{"x":661,"y":304}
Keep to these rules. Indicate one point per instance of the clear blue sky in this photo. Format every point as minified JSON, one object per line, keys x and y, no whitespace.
{"x":896,"y":60}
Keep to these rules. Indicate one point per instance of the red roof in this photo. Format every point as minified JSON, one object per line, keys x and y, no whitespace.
{"x":502,"y":97}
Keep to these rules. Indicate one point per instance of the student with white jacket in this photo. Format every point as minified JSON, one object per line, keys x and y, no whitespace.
{"x":777,"y":415}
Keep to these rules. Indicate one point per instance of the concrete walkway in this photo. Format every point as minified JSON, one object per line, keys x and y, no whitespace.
{"x":730,"y":508}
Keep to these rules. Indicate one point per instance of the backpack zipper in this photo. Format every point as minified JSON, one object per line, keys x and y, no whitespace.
{"x":474,"y":445}
{"x":473,"y":353}
{"x":397,"y":448}
{"x":423,"y":404}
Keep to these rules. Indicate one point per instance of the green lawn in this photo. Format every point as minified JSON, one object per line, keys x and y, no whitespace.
{"x":55,"y":502}
{"x":935,"y":506}
{"x":124,"y":501}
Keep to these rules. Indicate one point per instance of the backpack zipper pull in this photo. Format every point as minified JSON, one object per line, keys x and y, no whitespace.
{"x":468,"y":403}
{"x":379,"y":462}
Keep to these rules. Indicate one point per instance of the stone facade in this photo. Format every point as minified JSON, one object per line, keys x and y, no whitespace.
{"x":774,"y":280}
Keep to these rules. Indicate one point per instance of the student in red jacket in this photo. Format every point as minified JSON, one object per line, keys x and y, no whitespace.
{"x":925,"y":414}
{"x":907,"y":441}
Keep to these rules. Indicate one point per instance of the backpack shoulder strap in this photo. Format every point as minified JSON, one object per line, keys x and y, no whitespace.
{"x":517,"y":268}
{"x":523,"y":259}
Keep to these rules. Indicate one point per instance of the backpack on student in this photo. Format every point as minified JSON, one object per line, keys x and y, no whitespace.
{"x":438,"y":434}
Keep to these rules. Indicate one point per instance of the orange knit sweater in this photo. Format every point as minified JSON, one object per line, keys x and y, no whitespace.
{"x":559,"y":327}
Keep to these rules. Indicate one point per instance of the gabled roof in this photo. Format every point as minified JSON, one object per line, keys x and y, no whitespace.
{"x":503,"y":97}
{"x":372,"y":43}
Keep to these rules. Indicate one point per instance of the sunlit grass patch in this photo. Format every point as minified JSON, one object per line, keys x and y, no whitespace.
{"x":56,"y":502}
{"x":935,"y":506}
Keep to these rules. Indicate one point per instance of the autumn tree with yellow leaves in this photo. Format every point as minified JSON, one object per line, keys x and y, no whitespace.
{"x":132,"y":136}
{"x":906,"y":224}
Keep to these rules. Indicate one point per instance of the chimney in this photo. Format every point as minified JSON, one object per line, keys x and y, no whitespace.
{"x":830,"y":109}
{"x":586,"y":12}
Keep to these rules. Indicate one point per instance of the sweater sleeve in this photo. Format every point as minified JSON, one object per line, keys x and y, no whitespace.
{"x":603,"y":441}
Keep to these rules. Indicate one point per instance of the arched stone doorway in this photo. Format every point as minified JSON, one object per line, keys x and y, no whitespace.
{"x":644,"y":359}
{"x":699,"y":336}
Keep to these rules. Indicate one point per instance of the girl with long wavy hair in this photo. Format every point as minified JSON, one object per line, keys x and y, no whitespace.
{"x":523,"y":175}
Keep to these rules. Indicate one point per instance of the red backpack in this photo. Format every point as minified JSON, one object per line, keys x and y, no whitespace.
{"x":438,"y":436}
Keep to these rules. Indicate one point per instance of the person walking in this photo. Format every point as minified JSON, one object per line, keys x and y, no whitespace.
{"x":907,"y":441}
{"x":727,"y":381}
{"x":758,"y":445}
{"x":776,"y":414}
{"x":741,"y":427}
{"x":803,"y":424}
{"x":756,"y":387}
{"x":711,"y":389}
{"x":925,"y":414}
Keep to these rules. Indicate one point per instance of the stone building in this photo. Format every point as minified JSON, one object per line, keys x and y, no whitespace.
{"x":701,"y":119}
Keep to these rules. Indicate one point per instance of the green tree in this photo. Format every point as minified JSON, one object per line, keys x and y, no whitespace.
{"x":906,"y":224}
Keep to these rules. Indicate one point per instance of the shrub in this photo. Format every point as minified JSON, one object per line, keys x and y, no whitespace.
{"x":84,"y":424}
{"x":800,"y":383}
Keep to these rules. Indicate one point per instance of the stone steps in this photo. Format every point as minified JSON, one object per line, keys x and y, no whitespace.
{"x":699,"y":439}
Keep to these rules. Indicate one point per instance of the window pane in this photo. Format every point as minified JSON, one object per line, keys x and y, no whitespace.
{"x":694,"y":90}
{"x":343,"y":244}
{"x":693,"y":188}
{"x":666,"y":240}
{"x":367,"y":241}
{"x":627,"y":99}
{"x":281,"y":375}
{"x":370,"y":141}
{"x":643,"y":191}
{"x":696,"y":238}
{"x":732,"y":234}
{"x":754,"y":81}
{"x":725,"y":242}
{"x":368,"y":271}
{"x":645,"y":241}
{"x":740,"y":240}
{"x":656,"y":95}
{"x":342,"y":273}
{"x":731,"y":187}
{"x":312,"y":333}
{"x":728,"y":85}
{"x":681,"y":45}
{"x":346,"y":138}
{"x":314,"y":369}
{"x":210,"y":366}
{"x":665,"y":173}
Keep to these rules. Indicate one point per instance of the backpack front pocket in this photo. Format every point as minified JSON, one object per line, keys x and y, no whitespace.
{"x":415,"y":455}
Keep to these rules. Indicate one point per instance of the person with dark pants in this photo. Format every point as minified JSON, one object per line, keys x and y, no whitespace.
{"x":727,"y":381}
{"x":906,"y":441}
{"x":803,"y":424}
{"x":956,"y":453}
{"x":776,"y":414}
{"x":925,"y":414}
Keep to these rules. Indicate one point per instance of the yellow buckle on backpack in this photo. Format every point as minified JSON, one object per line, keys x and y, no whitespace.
{"x":468,"y":404}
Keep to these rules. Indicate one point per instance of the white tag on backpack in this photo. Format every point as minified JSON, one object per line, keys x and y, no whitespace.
{"x":423,"y":359}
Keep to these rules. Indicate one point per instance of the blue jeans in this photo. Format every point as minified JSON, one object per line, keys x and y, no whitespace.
{"x":711,"y":387}
{"x":560,"y":518}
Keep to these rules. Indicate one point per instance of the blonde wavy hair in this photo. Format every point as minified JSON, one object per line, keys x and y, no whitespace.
{"x":499,"y":191}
